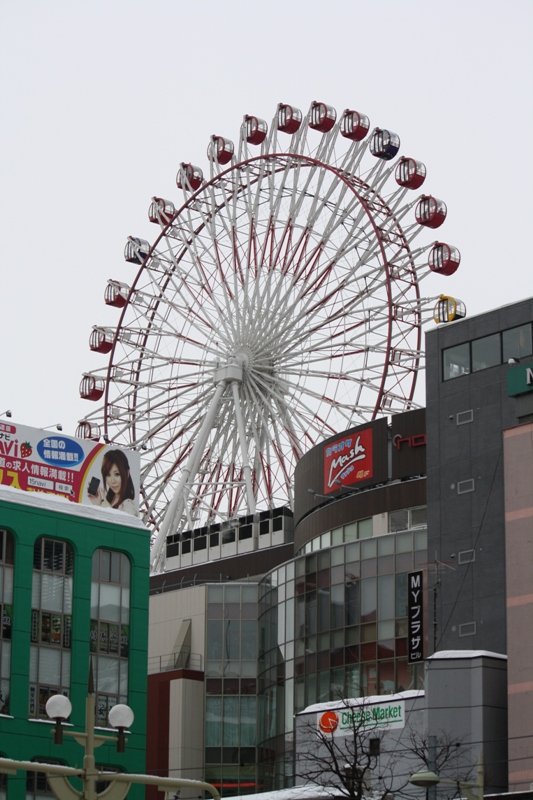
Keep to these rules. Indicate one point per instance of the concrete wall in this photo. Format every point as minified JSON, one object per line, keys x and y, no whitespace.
{"x":467,"y":700}
{"x":518,"y":455}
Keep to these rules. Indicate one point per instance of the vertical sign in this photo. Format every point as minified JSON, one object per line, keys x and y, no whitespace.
{"x":415,"y":617}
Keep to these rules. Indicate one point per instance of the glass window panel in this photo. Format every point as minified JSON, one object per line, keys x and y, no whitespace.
{"x":232,"y":629}
{"x":105,"y":564}
{"x":337,"y":556}
{"x":401,"y":594}
{"x":115,"y":567}
{"x":107,"y":675}
{"x":67,"y":594}
{"x":110,"y":602}
{"x":232,"y":594}
{"x":36,"y":590}
{"x":52,"y":592}
{"x":34,"y":661}
{"x":337,"y":606}
{"x":421,"y":540}
{"x":419,"y":516}
{"x":486,"y":352}
{"x":231,"y":721}
{"x":369,"y":568}
{"x":337,"y":536}
{"x":456,"y":361}
{"x":517,"y":343}
{"x":368,"y":600}
{"x":94,"y":600}
{"x":385,"y":545}
{"x":49,"y":666}
{"x":213,"y":715}
{"x":65,"y":668}
{"x":123,"y":679}
{"x":353,"y":552}
{"x":350,"y":532}
{"x":249,"y":639}
{"x":364,"y":528}
{"x":404,"y":543}
{"x":125,"y":570}
{"x":8,"y":584}
{"x":248,"y":715}
{"x":386,"y":597}
{"x":289,"y":620}
{"x":281,"y":623}
{"x":399,"y":520}
{"x":404,"y":562}
{"x":386,"y":629}
{"x":214,"y":639}
{"x":215,"y":594}
{"x":249,"y":593}
{"x":352,"y":680}
{"x":385,"y":565}
{"x":369,"y":548}
{"x":352,"y":603}
{"x":325,"y":539}
{"x":289,"y":569}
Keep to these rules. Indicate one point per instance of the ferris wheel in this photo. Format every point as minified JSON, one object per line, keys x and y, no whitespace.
{"x":279,"y":304}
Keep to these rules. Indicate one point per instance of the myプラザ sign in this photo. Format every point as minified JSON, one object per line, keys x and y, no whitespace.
{"x":344,"y":721}
{"x":80,"y":470}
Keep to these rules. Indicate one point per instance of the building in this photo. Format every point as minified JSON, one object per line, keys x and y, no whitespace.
{"x":325,"y":592}
{"x":74,"y":587}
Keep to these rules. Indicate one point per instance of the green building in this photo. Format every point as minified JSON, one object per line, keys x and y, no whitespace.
{"x":73,"y":587}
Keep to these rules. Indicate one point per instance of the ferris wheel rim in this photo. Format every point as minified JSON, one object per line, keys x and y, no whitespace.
{"x":308,"y":161}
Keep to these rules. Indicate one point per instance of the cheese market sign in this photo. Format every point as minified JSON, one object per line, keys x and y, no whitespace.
{"x":343,"y":722}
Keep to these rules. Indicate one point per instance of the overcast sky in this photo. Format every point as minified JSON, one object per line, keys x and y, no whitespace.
{"x":102,"y":100}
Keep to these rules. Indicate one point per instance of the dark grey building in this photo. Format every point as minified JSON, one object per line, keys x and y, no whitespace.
{"x":467,"y":409}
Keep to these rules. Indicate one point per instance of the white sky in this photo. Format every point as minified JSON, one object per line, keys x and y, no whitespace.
{"x":101,"y":101}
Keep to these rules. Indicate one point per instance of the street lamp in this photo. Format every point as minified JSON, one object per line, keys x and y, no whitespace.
{"x":120,"y":717}
{"x":427,"y":779}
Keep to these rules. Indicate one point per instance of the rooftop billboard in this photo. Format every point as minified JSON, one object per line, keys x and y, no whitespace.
{"x":79,"y":470}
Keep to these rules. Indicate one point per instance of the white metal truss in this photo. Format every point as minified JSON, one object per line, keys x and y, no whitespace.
{"x":279,"y":305}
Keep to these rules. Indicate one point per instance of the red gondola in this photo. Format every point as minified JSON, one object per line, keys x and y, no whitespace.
{"x":189,"y":177}
{"x":91,"y":387}
{"x":256,"y":130}
{"x":444,"y":258}
{"x":448,"y":309}
{"x":101,"y":339}
{"x":136,"y":250}
{"x":88,"y":430}
{"x":322,"y":117}
{"x":116,"y":294}
{"x":220,"y":150}
{"x":289,"y":118}
{"x":161,"y":210}
{"x":354,"y":126}
{"x":410,"y":173}
{"x":430,"y":211}
{"x":384,"y":144}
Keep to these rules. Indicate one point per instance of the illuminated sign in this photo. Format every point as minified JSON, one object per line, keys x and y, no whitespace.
{"x":79,"y":470}
{"x":348,"y":460}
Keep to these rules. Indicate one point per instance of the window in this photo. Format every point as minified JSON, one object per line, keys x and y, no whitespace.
{"x":486,"y":352}
{"x":6,"y":609}
{"x":456,"y":361}
{"x":51,"y":622}
{"x":110,"y":629}
{"x":516,"y":343}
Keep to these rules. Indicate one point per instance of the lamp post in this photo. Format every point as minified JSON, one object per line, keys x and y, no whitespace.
{"x":120,"y":717}
{"x":428,"y":779}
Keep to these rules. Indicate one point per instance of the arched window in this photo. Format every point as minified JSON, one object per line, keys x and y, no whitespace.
{"x":51,"y":622}
{"x":110,"y":629}
{"x":7,"y":548}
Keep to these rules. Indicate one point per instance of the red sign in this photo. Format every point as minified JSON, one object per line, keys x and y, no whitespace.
{"x":328,"y":722}
{"x":348,"y":460}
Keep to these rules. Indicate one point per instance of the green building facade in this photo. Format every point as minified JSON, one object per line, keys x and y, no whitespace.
{"x":73,"y":588}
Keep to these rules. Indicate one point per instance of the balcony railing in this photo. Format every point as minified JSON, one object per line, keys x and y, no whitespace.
{"x":171,"y":661}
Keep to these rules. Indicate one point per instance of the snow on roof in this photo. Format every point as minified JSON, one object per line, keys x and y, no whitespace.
{"x":367,"y":701}
{"x":465,"y":654}
{"x":308,"y":791}
{"x":53,"y":502}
